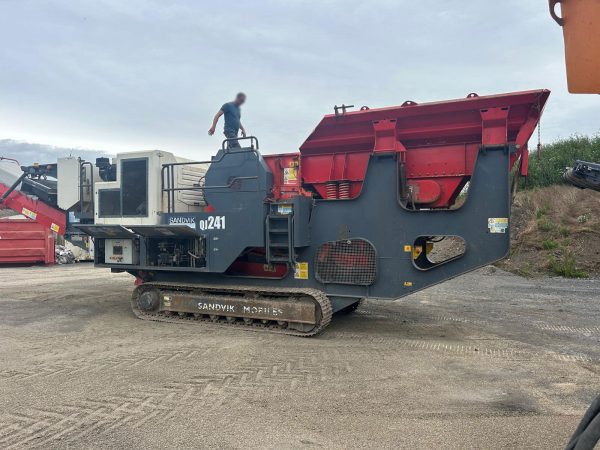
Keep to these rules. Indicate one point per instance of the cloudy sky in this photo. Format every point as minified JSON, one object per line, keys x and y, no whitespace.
{"x":120,"y":75}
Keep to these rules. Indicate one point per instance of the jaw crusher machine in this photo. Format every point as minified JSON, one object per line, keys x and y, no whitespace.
{"x":280,"y":242}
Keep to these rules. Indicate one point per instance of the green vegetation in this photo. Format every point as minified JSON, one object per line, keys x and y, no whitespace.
{"x":566,"y":267}
{"x":564,"y":231}
{"x":549,"y":244}
{"x":525,"y":271}
{"x":555,"y":230}
{"x":555,"y":226}
{"x":545,"y":224}
{"x":540,"y":212}
{"x":548,"y":168}
{"x":584,"y":218}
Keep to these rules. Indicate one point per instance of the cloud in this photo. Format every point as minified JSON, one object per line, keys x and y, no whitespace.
{"x":145,"y":74}
{"x":27,"y":153}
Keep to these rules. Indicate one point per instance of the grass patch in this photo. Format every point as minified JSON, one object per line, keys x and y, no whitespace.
{"x":549,"y":244}
{"x":555,"y":226}
{"x":525,"y":271}
{"x":567,"y":242}
{"x":540,"y":212}
{"x":567,"y":267}
{"x":545,"y":224}
{"x":584,"y":218}
{"x":564,"y":231}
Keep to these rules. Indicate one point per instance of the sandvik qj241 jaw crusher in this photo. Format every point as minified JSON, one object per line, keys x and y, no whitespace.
{"x":280,"y":242}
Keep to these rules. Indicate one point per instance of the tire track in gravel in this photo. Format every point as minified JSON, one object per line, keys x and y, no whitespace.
{"x":71,"y":421}
{"x":583,"y":331}
{"x":49,"y":369}
{"x":515,"y":350}
{"x":413,"y":318}
{"x":372,"y":345}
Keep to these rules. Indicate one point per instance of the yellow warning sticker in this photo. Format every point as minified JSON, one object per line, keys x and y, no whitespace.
{"x":290,"y":175}
{"x":498,"y":224}
{"x":417,"y":251}
{"x":285,"y":209}
{"x":407,"y":248}
{"x":408,"y":284}
{"x":55,"y":228}
{"x":167,"y":300}
{"x":27,"y":213}
{"x":301,"y":272}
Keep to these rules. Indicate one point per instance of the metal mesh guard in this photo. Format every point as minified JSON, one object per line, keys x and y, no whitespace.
{"x":351,"y":261}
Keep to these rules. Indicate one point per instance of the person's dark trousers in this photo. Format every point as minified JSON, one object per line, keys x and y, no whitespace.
{"x":232,"y":135}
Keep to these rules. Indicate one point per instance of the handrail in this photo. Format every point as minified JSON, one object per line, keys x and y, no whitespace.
{"x":4,"y":158}
{"x":252,"y":139}
{"x":203,"y":188}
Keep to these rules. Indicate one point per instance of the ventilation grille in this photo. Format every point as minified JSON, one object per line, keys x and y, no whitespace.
{"x":350,"y":261}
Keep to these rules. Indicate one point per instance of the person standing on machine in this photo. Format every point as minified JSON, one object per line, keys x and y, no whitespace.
{"x":233,"y":125}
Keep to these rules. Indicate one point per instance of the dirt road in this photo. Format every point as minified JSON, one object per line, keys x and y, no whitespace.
{"x":489,"y":360}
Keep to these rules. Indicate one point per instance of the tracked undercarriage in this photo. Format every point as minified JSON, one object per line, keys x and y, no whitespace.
{"x":296,"y":312}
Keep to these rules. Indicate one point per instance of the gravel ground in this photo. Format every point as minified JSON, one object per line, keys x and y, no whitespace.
{"x":489,"y":360}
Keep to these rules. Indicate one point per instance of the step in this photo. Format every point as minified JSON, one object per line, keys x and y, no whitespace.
{"x":278,"y":231}
{"x":278,"y":259}
{"x":279,"y":245}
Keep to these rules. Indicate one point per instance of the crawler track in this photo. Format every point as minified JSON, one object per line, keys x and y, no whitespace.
{"x":324,"y":310}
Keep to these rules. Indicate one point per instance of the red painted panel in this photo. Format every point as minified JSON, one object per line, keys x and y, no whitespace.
{"x":51,"y":218}
{"x":25,"y":241}
{"x":287,"y":176}
{"x":438,"y":141}
{"x":453,"y":121}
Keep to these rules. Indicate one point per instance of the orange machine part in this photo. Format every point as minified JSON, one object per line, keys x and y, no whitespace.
{"x":580,"y":21}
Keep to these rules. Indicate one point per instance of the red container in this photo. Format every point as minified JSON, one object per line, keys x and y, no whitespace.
{"x":24,"y":241}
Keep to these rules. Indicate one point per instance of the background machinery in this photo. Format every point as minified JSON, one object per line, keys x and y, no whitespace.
{"x":281,"y":242}
{"x":584,"y":175}
{"x":51,"y":197}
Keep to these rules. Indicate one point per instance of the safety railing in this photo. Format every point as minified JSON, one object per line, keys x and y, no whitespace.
{"x":253,"y":140}
{"x":169,"y":176}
